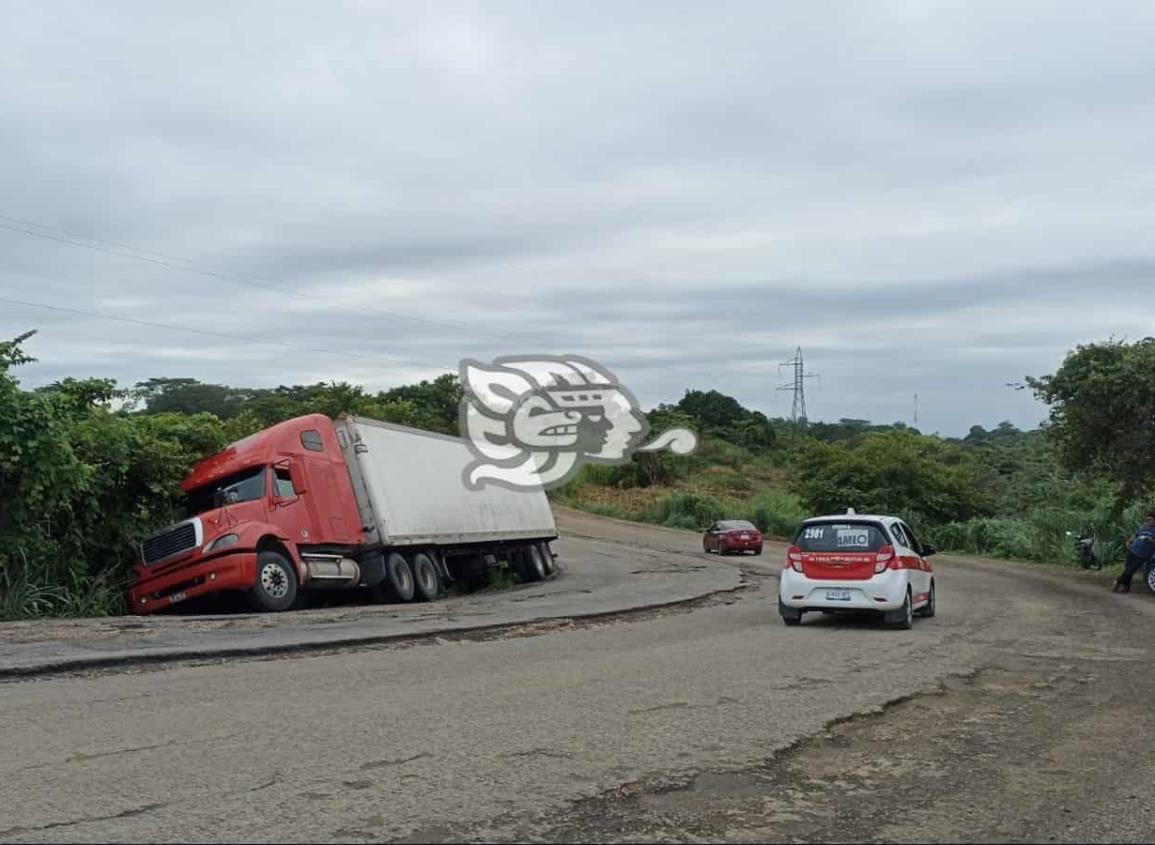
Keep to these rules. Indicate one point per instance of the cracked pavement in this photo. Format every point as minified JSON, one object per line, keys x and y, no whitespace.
{"x":1025,"y":694}
{"x":596,"y":578}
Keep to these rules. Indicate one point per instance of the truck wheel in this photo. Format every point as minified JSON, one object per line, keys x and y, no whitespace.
{"x":399,"y":577}
{"x":425,"y":577}
{"x":547,"y":558}
{"x":276,"y":587}
{"x":533,"y":564}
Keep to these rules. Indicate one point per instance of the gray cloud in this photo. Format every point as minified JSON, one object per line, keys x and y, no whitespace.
{"x":931,"y":198}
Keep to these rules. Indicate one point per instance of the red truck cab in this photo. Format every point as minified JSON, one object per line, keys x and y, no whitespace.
{"x":283,"y":489}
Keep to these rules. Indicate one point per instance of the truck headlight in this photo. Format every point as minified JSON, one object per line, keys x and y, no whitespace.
{"x":222,"y":542}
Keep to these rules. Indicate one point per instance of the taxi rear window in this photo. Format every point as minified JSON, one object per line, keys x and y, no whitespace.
{"x":847,"y":536}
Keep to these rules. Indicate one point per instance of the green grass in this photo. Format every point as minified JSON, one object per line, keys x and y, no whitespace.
{"x":692,"y":502}
{"x":24,"y":597}
{"x":1041,"y":535}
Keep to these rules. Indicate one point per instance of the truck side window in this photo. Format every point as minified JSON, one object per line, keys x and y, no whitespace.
{"x":312,"y":441}
{"x":283,"y":484}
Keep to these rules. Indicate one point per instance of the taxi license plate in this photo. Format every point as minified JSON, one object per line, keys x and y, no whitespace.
{"x":838,"y":595}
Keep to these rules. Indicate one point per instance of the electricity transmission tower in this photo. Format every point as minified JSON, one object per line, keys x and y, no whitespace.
{"x":798,"y":386}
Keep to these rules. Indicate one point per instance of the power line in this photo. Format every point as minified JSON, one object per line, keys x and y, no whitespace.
{"x":188,"y":265}
{"x":223,"y":335}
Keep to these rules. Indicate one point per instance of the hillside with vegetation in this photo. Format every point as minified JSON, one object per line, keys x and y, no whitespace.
{"x":88,"y":468}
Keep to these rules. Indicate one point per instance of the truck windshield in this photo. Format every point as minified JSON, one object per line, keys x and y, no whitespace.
{"x":245,"y":486}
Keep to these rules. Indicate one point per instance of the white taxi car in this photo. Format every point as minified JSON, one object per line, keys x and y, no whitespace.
{"x":857,"y":562}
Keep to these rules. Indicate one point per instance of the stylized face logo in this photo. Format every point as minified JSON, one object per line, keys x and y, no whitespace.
{"x":532,"y":421}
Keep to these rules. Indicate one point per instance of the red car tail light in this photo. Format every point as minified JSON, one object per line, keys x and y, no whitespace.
{"x":885,"y":559}
{"x":794,"y":558}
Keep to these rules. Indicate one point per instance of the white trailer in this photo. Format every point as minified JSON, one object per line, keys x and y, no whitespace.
{"x":413,"y":501}
{"x":409,"y":490}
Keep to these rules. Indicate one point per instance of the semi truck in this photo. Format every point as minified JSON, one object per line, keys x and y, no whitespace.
{"x":317,"y":504}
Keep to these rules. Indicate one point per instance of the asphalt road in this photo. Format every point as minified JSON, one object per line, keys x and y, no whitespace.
{"x":1020,"y":712}
{"x":598,"y":577}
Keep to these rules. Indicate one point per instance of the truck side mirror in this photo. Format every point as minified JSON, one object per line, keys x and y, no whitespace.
{"x":295,"y":473}
{"x":297,"y":476}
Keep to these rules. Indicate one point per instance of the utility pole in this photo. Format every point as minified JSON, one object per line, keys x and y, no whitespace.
{"x":797,"y":386}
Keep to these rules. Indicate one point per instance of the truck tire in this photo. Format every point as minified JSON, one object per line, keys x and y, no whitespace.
{"x":398,"y":577}
{"x":427,"y":583}
{"x":547,"y":558}
{"x":276,"y":586}
{"x":533,"y":564}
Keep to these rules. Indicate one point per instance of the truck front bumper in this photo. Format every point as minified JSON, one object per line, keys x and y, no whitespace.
{"x":236,"y":571}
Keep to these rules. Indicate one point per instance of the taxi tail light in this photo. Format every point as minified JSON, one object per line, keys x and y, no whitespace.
{"x":885,"y":559}
{"x":794,"y":558}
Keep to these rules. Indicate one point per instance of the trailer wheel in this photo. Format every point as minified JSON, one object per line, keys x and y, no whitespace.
{"x":276,"y":587}
{"x":533,"y":563}
{"x":547,"y":558}
{"x":425,"y":577}
{"x":399,"y":577}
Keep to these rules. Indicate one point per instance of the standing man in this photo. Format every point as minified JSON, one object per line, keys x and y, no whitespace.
{"x":1139,"y":548}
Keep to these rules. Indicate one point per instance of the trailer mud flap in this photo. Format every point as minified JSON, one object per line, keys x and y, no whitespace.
{"x":372,"y":570}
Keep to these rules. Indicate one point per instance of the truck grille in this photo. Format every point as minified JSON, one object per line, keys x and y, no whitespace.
{"x":179,"y":538}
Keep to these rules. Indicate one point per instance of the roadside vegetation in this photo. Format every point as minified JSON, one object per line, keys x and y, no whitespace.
{"x":88,"y":468}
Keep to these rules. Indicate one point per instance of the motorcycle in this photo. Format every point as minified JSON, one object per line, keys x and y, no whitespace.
{"x":1086,"y":550}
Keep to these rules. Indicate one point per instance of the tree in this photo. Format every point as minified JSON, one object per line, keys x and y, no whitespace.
{"x":80,"y":484}
{"x":1102,"y":412}
{"x":921,"y":478}
{"x":714,"y":413}
{"x":188,"y":396}
{"x":711,"y":409}
{"x":437,"y":402}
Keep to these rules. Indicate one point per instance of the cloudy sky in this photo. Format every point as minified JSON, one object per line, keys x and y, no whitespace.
{"x":930,"y":198}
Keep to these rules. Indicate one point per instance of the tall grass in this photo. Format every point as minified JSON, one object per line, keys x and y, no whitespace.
{"x":1041,"y":535}
{"x":24,"y":597}
{"x":773,"y":512}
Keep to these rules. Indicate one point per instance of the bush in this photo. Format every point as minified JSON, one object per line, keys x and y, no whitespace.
{"x":775,"y":513}
{"x":690,"y":510}
{"x":79,"y":486}
{"x":1041,"y":535}
{"x":924,"y":479}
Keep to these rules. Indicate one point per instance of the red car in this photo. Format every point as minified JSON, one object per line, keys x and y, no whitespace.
{"x":732,"y":535}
